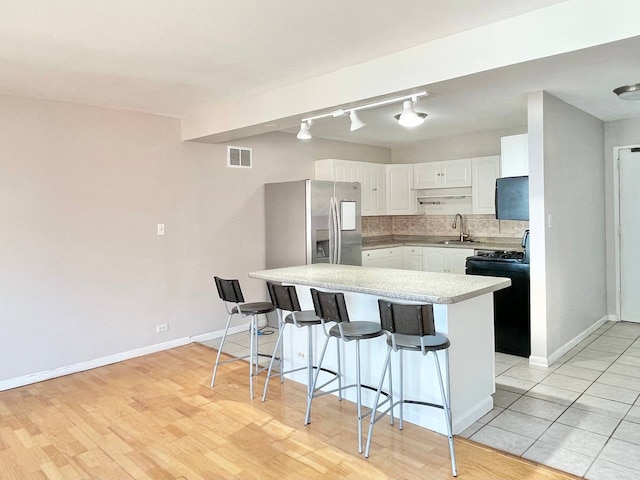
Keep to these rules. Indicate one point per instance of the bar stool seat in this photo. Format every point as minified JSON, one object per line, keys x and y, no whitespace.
{"x":254,"y":308}
{"x":303,"y":318}
{"x":360,"y":330}
{"x":412,"y":342}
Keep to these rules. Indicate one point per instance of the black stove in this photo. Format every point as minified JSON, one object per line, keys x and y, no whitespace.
{"x":511,"y":305}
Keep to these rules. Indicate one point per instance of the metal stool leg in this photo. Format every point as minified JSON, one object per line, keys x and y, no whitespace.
{"x":447,"y":411}
{"x":401,"y":425}
{"x":307,"y":417}
{"x":273,"y":357}
{"x":224,"y":336}
{"x":309,"y":358}
{"x":359,"y":396}
{"x":372,"y":422}
{"x":339,"y":370}
{"x":252,"y":355}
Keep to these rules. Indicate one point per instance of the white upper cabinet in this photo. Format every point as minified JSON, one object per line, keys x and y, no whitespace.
{"x":370,"y":175}
{"x":514,"y":155}
{"x":485,"y":171}
{"x":373,"y":182}
{"x":427,"y":175}
{"x":401,"y":197}
{"x":449,"y":174}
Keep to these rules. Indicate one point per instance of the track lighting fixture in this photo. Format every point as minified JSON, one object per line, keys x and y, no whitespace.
{"x":304,"y":133}
{"x":356,"y":123}
{"x":408,"y":118}
{"x":628,"y":92}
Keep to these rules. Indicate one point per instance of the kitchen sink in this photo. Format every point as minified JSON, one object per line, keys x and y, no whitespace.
{"x":456,"y":242}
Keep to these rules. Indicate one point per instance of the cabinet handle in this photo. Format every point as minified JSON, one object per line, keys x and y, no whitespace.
{"x":374,"y":189}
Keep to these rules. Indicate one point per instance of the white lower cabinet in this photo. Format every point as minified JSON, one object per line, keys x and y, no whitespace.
{"x":383,"y":257}
{"x":413,"y":258}
{"x":428,"y":259}
{"x":445,"y":260}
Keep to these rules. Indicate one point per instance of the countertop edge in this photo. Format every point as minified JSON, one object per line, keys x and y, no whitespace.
{"x":435,"y":299}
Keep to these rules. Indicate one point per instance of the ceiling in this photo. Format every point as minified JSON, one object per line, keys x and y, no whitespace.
{"x":177,"y":58}
{"x":497,"y":99}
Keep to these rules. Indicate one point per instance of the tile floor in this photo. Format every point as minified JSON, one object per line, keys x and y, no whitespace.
{"x":238,"y":344}
{"x":580,"y":415}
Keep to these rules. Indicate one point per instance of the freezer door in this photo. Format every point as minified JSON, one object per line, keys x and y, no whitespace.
{"x":349,"y":202}
{"x":319,"y":195}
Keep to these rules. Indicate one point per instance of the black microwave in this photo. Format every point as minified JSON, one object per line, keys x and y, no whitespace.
{"x":512,"y":198}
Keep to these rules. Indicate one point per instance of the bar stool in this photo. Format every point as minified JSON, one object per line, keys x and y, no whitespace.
{"x":412,"y":328}
{"x":285,"y":298}
{"x":231,"y":294}
{"x":331,"y":307}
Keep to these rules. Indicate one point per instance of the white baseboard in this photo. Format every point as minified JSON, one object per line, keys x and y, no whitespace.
{"x":109,"y":359}
{"x":545,"y":362}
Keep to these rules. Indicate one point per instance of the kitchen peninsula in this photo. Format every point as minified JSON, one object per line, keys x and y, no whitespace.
{"x":463,"y":309}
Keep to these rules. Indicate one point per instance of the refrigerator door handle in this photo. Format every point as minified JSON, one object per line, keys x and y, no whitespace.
{"x":338,"y":232}
{"x":333,"y":258}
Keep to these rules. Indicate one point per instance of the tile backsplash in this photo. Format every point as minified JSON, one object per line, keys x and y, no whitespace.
{"x":440,"y":225}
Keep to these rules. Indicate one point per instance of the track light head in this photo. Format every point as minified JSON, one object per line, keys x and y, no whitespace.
{"x":628,"y":92}
{"x":409,"y":118}
{"x":304,"y":133}
{"x":356,"y":123}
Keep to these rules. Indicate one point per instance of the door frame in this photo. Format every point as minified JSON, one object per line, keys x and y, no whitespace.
{"x":616,"y":224}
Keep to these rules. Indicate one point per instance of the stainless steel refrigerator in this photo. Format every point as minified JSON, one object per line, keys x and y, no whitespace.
{"x":312,"y":221}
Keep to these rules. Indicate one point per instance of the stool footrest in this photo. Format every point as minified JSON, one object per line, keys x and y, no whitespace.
{"x":426,"y":404}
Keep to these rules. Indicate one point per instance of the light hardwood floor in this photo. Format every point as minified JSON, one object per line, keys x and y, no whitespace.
{"x":155,"y":417}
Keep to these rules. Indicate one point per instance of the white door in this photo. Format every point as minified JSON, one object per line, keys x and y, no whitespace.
{"x":629,"y":178}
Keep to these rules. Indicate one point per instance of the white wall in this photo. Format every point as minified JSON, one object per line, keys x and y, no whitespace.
{"x":480,"y":144}
{"x":84,"y":275}
{"x":616,"y":134}
{"x":573,"y":174}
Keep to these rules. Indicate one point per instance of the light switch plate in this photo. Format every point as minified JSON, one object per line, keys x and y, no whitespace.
{"x":161,"y":229}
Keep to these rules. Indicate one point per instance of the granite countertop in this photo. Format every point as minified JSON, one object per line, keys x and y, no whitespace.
{"x":480,"y":243}
{"x":428,"y":287}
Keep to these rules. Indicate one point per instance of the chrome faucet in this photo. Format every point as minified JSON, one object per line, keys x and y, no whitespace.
{"x":455,"y":225}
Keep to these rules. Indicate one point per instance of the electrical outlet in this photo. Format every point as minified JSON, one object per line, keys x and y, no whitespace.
{"x":163,"y":327}
{"x":301,"y":354}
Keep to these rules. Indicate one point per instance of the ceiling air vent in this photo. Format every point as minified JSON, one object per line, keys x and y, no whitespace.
{"x":238,"y":157}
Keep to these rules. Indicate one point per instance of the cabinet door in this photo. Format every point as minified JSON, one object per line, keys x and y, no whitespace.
{"x":378,"y":188}
{"x":514,"y":155}
{"x":383,"y":257}
{"x":427,"y":175}
{"x":458,"y":260}
{"x":372,"y":178}
{"x":413,"y":258}
{"x":456,"y":173}
{"x":340,"y":171}
{"x":353,"y":171}
{"x":401,"y":198}
{"x":368,"y":194}
{"x":485,"y":172}
{"x":435,"y":259}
